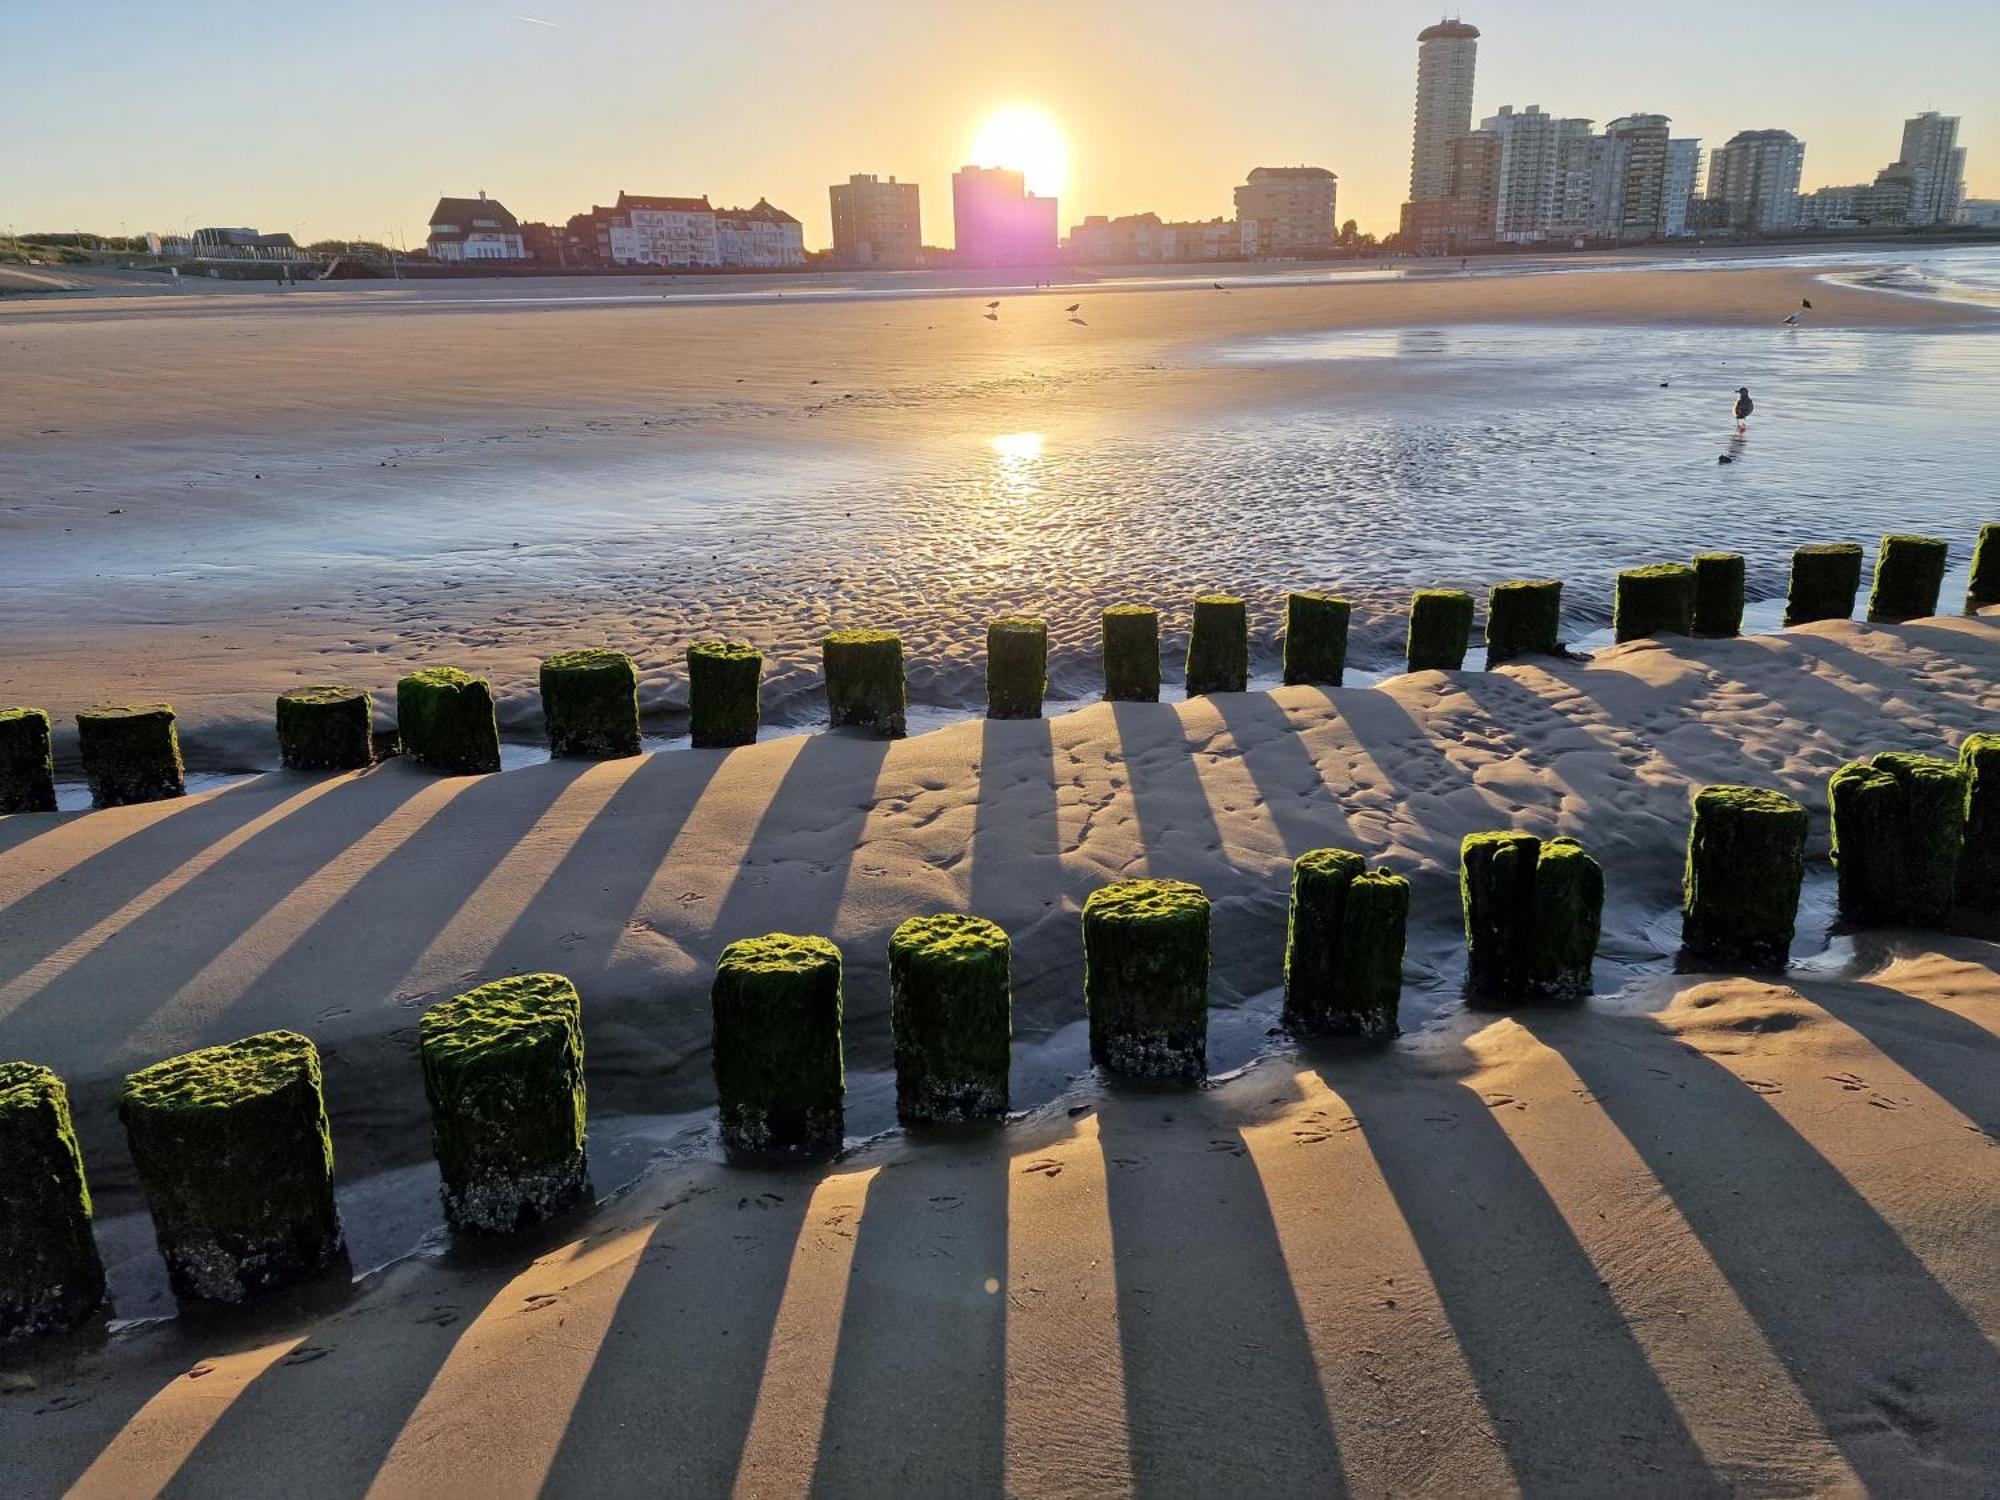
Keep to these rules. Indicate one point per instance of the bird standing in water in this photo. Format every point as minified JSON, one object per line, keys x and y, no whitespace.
{"x":1744,"y":406}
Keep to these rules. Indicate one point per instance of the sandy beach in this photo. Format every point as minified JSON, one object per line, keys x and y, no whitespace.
{"x":1700,"y":1234}
{"x":1703,"y":1234}
{"x":213,"y":498}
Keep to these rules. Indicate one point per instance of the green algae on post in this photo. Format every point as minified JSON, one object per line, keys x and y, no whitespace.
{"x":864,"y":680}
{"x":1984,"y":588}
{"x":51,"y":1279}
{"x":1897,"y":828}
{"x":1523,"y":618}
{"x":1131,"y":654}
{"x":1718,"y":594}
{"x":951,"y":1008}
{"x":1496,"y":887}
{"x":325,"y":727}
{"x":503,"y":1071}
{"x":131,"y":753}
{"x":1344,"y":946}
{"x":232,"y":1149}
{"x":1440,"y":629}
{"x":725,"y":692}
{"x":1909,"y":572}
{"x":1218,"y":658}
{"x":446,"y":721}
{"x":1979,"y":851}
{"x":778,"y":1072}
{"x":1740,"y":888}
{"x":1825,"y":578}
{"x":27,"y":762}
{"x":1316,"y":639}
{"x":1569,"y":915}
{"x":1145,"y":978}
{"x":1017,"y":668}
{"x":1657,"y":599}
{"x":590,"y":704}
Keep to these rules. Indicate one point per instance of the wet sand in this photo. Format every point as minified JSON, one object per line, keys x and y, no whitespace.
{"x":213,"y":498}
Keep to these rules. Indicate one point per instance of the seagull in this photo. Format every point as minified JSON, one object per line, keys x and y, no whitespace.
{"x":992,"y":305}
{"x":1792,"y":321}
{"x":1071,"y":309}
{"x":1806,"y":303}
{"x":1220,"y":288}
{"x":1744,"y":406}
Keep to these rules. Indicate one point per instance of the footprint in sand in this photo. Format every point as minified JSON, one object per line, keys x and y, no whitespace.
{"x":539,"y":1300}
{"x":306,"y":1354}
{"x":1763,"y":1086}
{"x":1233,"y":1147}
{"x":1045,"y":1167}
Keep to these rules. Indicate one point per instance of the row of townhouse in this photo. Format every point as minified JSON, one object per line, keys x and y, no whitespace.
{"x":638,"y":230}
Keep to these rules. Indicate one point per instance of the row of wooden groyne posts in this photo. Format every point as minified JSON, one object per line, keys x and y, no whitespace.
{"x":446,"y":718}
{"x":232,"y":1147}
{"x":234,"y":1155}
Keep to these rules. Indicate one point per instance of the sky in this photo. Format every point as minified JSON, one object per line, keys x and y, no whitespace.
{"x":349,"y":119}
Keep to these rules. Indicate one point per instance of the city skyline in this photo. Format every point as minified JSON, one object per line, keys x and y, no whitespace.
{"x":357,"y":137}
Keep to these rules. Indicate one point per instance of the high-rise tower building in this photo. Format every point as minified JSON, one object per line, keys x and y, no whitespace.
{"x":1936,"y":165}
{"x":1753,"y":178}
{"x":1446,"y":54}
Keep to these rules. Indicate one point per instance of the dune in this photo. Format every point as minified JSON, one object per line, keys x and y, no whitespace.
{"x":1703,"y":1234}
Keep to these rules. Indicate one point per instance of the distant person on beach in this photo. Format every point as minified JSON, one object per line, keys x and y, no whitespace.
{"x":1744,"y":406}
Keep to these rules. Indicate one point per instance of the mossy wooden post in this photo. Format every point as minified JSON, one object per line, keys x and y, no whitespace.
{"x":503,"y":1071}
{"x":1825,"y":578}
{"x":1657,"y":599}
{"x":232,"y":1149}
{"x":951,"y":1007}
{"x":1218,"y":658}
{"x":725,"y":693}
{"x":50,"y":1276}
{"x":27,"y":762}
{"x":1984,"y":588}
{"x":1898,"y":827}
{"x":1496,"y":887}
{"x":590,"y":705}
{"x":1909,"y":572}
{"x":1523,"y":618}
{"x":1740,"y":890}
{"x":1718,"y":594}
{"x":778,"y":1072}
{"x":1344,"y":946}
{"x":326,"y":727}
{"x":1131,"y":654}
{"x":1316,"y":639}
{"x":864,"y":681}
{"x":1145,"y":978}
{"x":1569,"y":914}
{"x":131,"y":753}
{"x":1979,"y":851}
{"x":1865,"y":805}
{"x":1440,"y":629}
{"x":446,"y":721}
{"x":1017,"y":668}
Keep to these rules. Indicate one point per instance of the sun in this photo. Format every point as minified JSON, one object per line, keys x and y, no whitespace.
{"x":1030,"y":143}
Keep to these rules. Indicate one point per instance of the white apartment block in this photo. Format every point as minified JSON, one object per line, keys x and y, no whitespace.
{"x":1936,"y":164}
{"x":1683,"y":180}
{"x":656,"y":231}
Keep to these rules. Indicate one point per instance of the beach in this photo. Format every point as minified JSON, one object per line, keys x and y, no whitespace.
{"x":1703,"y":1233}
{"x":213,"y":499}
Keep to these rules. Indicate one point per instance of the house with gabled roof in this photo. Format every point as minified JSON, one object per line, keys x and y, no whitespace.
{"x":764,"y":236}
{"x":474,"y":229}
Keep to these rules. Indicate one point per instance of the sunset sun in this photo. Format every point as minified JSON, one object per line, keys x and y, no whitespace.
{"x":1029,"y":142}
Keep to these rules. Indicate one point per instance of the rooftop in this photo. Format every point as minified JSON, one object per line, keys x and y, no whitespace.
{"x":1449,"y":31}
